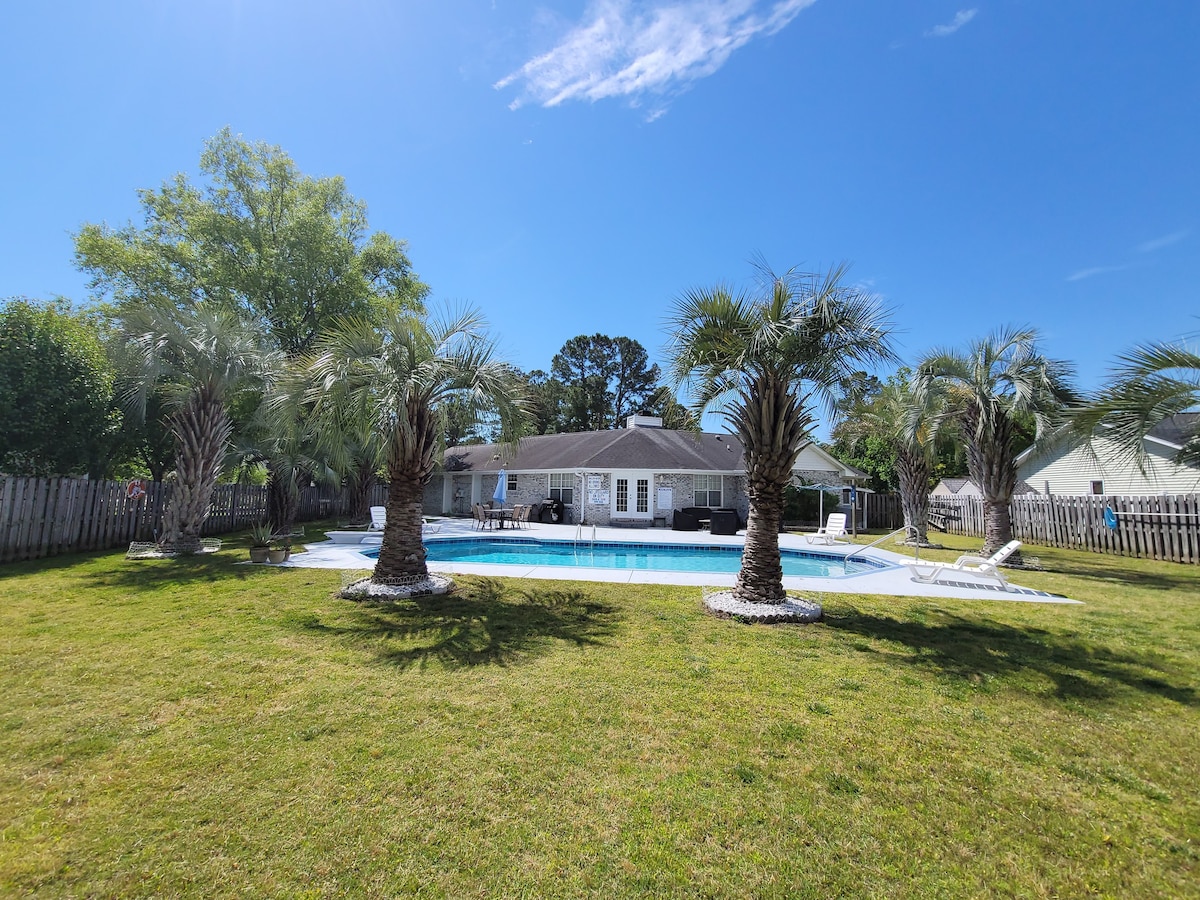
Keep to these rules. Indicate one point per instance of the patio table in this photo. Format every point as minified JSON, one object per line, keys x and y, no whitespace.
{"x":499,"y":515}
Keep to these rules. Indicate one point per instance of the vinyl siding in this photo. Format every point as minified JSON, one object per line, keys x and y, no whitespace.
{"x":1072,"y":471}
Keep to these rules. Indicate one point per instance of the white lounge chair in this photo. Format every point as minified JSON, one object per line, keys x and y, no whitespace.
{"x":378,"y":518}
{"x":834,"y":528}
{"x":928,"y":573}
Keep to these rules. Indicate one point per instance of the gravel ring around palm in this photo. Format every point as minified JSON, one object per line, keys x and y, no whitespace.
{"x":793,"y":609}
{"x":428,"y":586}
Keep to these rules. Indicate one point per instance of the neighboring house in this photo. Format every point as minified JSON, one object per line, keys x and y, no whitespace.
{"x":630,"y":475}
{"x":965,"y":487}
{"x":956,"y":487}
{"x":1100,"y":468}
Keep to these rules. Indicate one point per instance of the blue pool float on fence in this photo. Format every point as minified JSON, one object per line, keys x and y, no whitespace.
{"x":1110,"y":518}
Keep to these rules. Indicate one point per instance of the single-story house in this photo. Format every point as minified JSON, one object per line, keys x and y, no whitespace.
{"x":639,"y":474}
{"x":1073,"y":468}
{"x":956,"y":487}
{"x":965,"y":487}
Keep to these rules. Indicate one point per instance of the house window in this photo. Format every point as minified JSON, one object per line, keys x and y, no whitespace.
{"x":562,"y":487}
{"x":707,"y":490}
{"x":512,"y":482}
{"x":1097,"y":487}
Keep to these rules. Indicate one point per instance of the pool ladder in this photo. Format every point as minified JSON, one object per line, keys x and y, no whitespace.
{"x":846,"y":558}
{"x":579,"y":536}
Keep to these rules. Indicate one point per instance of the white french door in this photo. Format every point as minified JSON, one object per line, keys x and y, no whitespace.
{"x":631,"y":495}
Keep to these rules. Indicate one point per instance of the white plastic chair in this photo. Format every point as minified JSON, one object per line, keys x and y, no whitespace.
{"x":966,"y":565}
{"x":378,"y":518}
{"x":834,"y":528}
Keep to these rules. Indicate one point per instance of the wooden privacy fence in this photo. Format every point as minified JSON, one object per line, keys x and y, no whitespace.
{"x":48,"y":516}
{"x":1157,"y":527}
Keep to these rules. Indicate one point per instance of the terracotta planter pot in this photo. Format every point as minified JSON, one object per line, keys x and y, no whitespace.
{"x":258,"y":554}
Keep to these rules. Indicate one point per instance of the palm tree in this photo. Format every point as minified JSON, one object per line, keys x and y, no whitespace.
{"x":1000,"y":381}
{"x":199,"y":359}
{"x":909,"y":421}
{"x":764,"y":359}
{"x":399,"y":373}
{"x":1150,"y":383}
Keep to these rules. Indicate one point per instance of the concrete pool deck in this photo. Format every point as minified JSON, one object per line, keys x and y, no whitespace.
{"x":895,"y":580}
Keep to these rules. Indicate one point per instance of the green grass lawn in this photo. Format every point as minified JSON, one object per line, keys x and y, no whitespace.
{"x":201,"y":728}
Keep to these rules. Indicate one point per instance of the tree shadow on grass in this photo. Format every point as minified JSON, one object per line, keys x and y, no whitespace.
{"x":1110,"y":570}
{"x":480,"y":624}
{"x":974,"y":650}
{"x":150,"y":573}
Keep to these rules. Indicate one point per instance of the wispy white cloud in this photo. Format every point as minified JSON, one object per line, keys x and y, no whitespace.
{"x":624,"y":48}
{"x":1095,"y":270}
{"x":1165,"y":241}
{"x":961,"y":18}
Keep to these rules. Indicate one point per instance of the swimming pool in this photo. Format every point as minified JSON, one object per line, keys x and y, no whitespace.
{"x":621,"y":555}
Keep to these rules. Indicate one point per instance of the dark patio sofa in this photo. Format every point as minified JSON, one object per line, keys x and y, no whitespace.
{"x":683,"y":520}
{"x":724,"y":521}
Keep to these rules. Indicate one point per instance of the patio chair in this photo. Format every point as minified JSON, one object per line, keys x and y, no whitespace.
{"x":834,"y":528}
{"x":928,"y":573}
{"x":518,"y":512}
{"x":526,"y":516}
{"x":482,"y":521}
{"x":429,"y":527}
{"x":378,"y":518}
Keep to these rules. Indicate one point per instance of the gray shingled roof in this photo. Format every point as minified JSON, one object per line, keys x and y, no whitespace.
{"x":1178,"y":429}
{"x":626,"y":448}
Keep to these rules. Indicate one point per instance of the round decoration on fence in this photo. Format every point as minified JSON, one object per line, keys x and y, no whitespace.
{"x":1110,"y":518}
{"x":135,"y":489}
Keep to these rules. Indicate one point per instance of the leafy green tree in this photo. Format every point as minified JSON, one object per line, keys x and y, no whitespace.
{"x":871,"y":454}
{"x":399,"y":373}
{"x":282,"y":249}
{"x":199,"y":361}
{"x":675,"y":416}
{"x":545,"y":398}
{"x":583,"y":367}
{"x":290,"y":251}
{"x":57,"y":415}
{"x":764,"y":360}
{"x":1003,"y":391}
{"x":634,"y":380}
{"x":599,"y":381}
{"x":1150,"y":383}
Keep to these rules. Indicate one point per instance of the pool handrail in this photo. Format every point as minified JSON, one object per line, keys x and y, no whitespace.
{"x":846,"y":558}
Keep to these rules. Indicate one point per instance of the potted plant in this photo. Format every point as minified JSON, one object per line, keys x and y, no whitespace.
{"x":280,"y":550}
{"x":260,"y":542}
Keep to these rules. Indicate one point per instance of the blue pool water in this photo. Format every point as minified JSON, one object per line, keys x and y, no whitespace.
{"x":612,"y":555}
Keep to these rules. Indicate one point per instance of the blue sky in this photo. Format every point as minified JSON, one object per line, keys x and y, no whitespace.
{"x":571,"y":167}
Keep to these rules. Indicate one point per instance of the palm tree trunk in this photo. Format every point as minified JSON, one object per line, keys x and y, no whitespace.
{"x":360,"y":483}
{"x":402,"y":553}
{"x":283,"y":497}
{"x":912,"y":470}
{"x":201,"y":430}
{"x":993,"y":467}
{"x":760,"y":579}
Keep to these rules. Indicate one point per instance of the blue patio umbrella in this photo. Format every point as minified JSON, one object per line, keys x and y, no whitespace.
{"x":501,"y":493}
